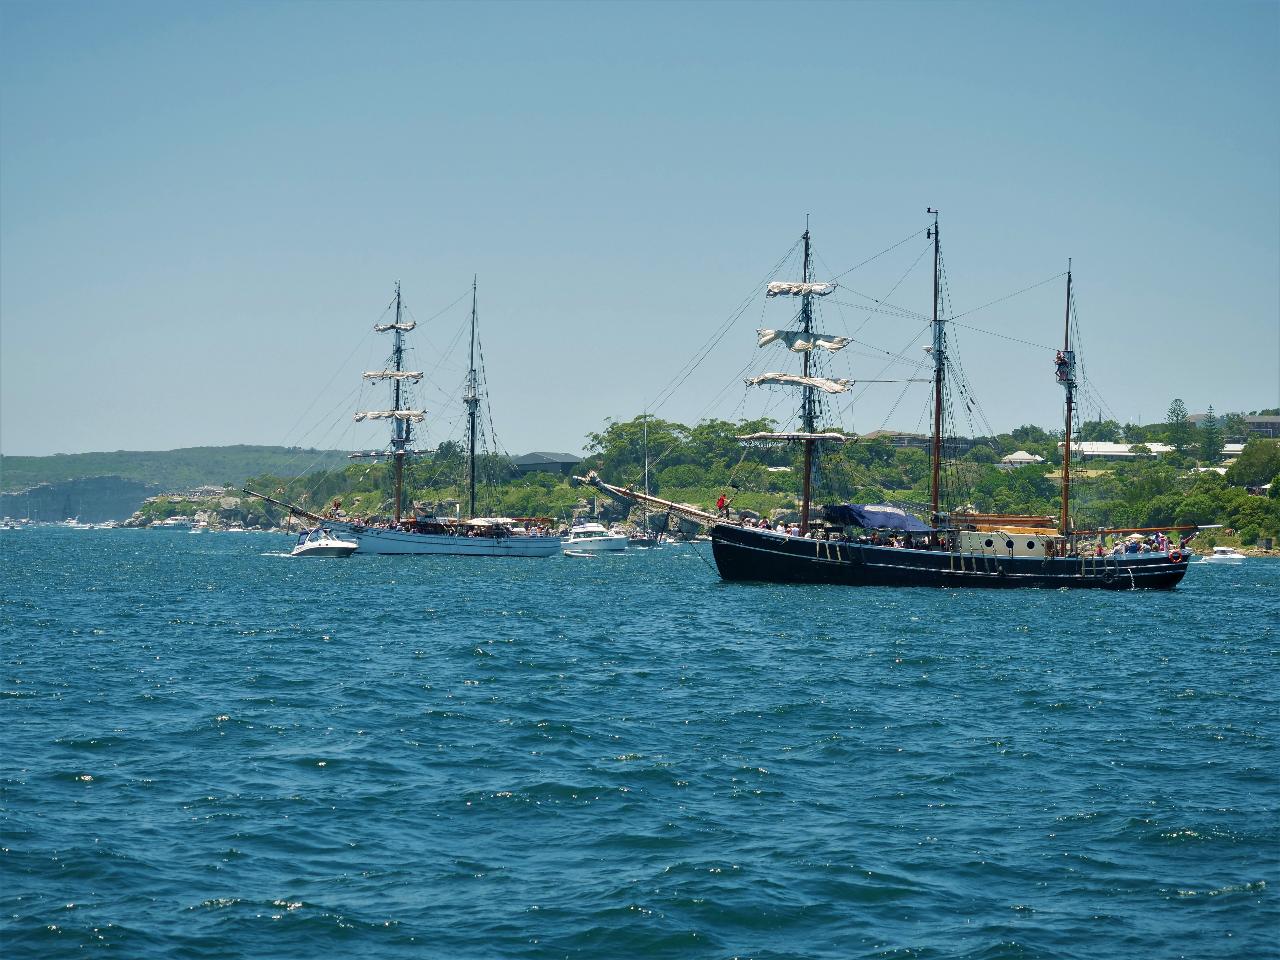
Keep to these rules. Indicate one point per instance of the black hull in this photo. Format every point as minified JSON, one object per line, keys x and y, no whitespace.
{"x":744,"y":553}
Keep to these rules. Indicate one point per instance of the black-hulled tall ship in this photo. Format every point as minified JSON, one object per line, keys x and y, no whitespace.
{"x":406,"y":532}
{"x":953,"y":548}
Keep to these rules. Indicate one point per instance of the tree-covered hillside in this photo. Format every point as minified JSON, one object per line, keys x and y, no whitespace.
{"x":169,"y":469}
{"x":696,"y":464}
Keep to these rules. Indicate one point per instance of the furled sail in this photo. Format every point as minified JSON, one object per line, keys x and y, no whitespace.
{"x":393,"y":375}
{"x":384,"y":327}
{"x":794,"y":435}
{"x":413,"y":416}
{"x":785,"y":288}
{"x":798,"y":342}
{"x":821,"y":383}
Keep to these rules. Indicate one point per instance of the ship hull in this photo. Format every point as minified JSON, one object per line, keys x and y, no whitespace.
{"x":743,"y":553}
{"x":377,"y":540}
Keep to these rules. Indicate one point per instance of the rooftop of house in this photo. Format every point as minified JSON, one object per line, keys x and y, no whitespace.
{"x":542,"y":456}
{"x":1104,"y":448}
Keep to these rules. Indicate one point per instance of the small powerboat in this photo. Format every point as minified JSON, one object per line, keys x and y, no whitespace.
{"x":1224,"y":555}
{"x":322,"y":543}
{"x":594,"y":538}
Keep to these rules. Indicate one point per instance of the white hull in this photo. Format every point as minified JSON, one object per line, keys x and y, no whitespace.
{"x":397,"y":542}
{"x":596,"y":544}
{"x":1223,"y":561}
{"x":327,"y":549}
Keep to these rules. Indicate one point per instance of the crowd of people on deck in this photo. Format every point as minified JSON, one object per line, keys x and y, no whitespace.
{"x":1136,"y":543}
{"x":875,"y":538}
{"x":1157,"y":543}
{"x":792,"y":529}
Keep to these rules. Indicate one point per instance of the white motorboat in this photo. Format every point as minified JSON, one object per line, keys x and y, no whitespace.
{"x":321,"y":542}
{"x":593,"y":537}
{"x":1224,"y":555}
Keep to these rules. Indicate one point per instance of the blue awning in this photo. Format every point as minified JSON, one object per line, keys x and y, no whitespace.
{"x":874,"y":516}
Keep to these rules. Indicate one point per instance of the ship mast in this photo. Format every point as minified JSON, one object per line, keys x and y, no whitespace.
{"x":644,"y":507}
{"x":1067,"y":376}
{"x":939,"y":368}
{"x":807,"y":399}
{"x":472,"y":399}
{"x":403,"y":431}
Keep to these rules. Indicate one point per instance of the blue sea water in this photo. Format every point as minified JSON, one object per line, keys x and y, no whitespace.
{"x":212,"y":750}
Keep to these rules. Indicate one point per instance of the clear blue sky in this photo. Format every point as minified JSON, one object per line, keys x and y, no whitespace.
{"x":205,"y":206}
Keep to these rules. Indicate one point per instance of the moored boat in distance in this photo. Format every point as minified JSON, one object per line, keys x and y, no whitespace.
{"x":1224,"y":555}
{"x":171,"y":523}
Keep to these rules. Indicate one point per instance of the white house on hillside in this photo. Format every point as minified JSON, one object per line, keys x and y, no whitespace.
{"x":1020,"y":458}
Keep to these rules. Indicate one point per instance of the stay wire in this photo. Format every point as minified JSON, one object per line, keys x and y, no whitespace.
{"x":686,"y":371}
{"x":877,"y":256}
{"x":1010,"y":296}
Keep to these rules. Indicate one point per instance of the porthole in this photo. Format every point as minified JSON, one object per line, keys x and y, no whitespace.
{"x":1008,"y":544}
{"x":1031,"y":544}
{"x":990,"y":542}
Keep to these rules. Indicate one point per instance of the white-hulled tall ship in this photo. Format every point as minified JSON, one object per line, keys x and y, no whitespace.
{"x":417,"y":535}
{"x":951,"y":549}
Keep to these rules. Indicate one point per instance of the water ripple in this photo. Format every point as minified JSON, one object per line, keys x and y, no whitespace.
{"x":214,"y":751}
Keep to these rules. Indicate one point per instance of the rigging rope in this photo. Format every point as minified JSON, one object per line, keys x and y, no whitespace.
{"x":1016,"y":293}
{"x":856,"y":266}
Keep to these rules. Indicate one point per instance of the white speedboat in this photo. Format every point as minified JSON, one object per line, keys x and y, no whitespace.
{"x":593,"y":537}
{"x":322,"y":543}
{"x":1224,"y":555}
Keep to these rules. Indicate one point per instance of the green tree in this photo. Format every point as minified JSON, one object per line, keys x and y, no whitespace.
{"x":1177,"y":426}
{"x":1108,"y":431}
{"x":1210,"y":438}
{"x":1135,"y":433}
{"x":618,"y":450}
{"x":1031,"y":434}
{"x":1234,"y":429}
{"x":1259,"y":462}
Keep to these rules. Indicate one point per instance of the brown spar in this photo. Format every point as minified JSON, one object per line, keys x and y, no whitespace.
{"x":626,"y":493}
{"x":288,"y":506}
